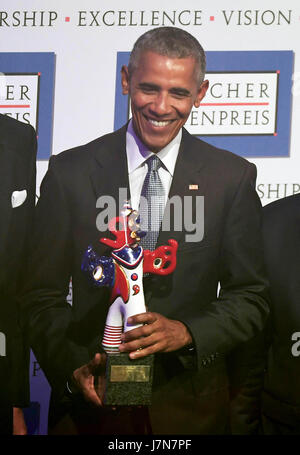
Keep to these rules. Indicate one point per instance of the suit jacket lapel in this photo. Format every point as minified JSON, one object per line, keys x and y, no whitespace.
{"x":109,"y":170}
{"x":189,"y":170}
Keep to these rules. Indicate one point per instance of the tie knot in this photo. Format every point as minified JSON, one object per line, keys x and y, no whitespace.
{"x":154,"y":163}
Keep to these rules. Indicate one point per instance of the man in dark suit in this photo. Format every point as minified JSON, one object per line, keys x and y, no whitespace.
{"x":17,"y":199}
{"x":189,"y":328}
{"x":281,"y":395}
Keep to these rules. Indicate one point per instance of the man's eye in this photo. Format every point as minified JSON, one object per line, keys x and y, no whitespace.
{"x":179,"y":95}
{"x":148,"y":90}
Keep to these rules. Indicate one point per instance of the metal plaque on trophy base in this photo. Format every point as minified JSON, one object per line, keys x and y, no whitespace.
{"x":128,"y":382}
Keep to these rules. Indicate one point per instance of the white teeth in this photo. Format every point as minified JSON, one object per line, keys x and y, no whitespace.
{"x":155,"y":123}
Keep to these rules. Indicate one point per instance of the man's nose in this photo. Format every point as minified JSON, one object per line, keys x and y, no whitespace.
{"x":161,"y":105}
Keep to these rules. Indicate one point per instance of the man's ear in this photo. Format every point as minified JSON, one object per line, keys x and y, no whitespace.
{"x":125,"y":80}
{"x":201,"y":93}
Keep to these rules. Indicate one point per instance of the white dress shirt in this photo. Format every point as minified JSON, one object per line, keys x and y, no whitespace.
{"x":138,"y":153}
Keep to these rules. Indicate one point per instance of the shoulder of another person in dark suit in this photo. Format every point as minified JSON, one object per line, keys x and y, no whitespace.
{"x":16,"y":134}
{"x":283,"y":209}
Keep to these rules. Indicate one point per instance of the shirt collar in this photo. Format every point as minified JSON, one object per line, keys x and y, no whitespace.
{"x":137,"y":152}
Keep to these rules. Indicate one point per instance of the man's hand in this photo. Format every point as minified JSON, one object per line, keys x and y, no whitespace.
{"x":160,"y":334}
{"x":84,"y":379}
{"x":19,"y":425}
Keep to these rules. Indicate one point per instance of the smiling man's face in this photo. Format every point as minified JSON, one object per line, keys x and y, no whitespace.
{"x":163,"y":91}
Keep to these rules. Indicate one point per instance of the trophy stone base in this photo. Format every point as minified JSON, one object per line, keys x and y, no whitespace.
{"x":128,"y":382}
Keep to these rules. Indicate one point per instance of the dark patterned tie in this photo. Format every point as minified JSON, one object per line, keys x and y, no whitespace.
{"x":152,"y":203}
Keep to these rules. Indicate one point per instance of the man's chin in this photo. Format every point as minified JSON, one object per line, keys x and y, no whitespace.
{"x":156,"y":145}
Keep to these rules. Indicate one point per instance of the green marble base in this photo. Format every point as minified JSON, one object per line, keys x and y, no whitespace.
{"x":128,"y":382}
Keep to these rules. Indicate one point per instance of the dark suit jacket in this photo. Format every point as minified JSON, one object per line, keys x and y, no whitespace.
{"x":17,"y":173}
{"x":190,"y":391}
{"x":281,"y":397}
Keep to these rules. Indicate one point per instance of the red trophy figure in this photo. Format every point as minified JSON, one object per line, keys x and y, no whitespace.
{"x":128,"y":382}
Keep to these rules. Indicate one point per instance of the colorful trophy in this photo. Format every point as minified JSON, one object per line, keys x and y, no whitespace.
{"x":128,"y":382}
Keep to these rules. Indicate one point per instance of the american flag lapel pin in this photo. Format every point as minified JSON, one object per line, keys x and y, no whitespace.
{"x":193,"y":187}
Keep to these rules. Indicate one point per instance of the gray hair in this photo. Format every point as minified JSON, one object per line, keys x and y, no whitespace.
{"x":172,"y":42}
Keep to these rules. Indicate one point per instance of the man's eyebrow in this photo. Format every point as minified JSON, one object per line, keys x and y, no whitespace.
{"x":148,"y":85}
{"x":175,"y":90}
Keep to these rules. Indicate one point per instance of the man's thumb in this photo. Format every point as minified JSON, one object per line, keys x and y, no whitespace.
{"x":98,"y":359}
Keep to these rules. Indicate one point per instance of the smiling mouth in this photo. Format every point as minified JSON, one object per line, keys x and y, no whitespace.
{"x":159,"y":124}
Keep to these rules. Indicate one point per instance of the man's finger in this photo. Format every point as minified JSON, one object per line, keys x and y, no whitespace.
{"x":139,"y":343}
{"x":91,"y":396}
{"x":96,"y":362}
{"x":135,"y":334}
{"x":142,"y":318}
{"x":144,"y":352}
